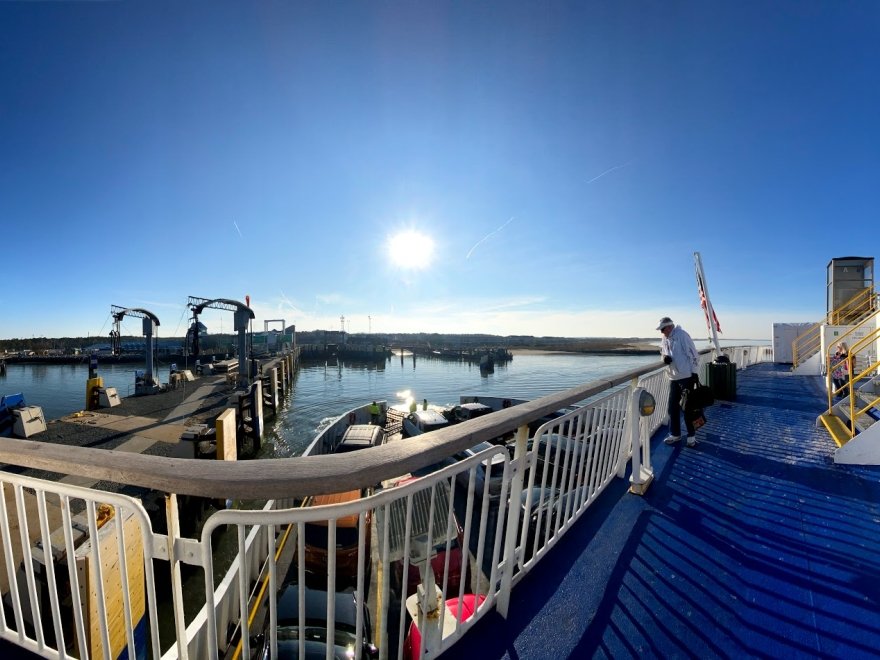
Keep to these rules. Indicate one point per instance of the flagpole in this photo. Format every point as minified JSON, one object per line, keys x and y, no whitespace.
{"x":710,"y":312}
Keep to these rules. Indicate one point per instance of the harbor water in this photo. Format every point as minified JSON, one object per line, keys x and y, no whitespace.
{"x":325,"y":391}
{"x":322,"y":392}
{"x":60,"y":389}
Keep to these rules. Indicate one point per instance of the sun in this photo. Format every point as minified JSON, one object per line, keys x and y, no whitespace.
{"x":411,"y":250}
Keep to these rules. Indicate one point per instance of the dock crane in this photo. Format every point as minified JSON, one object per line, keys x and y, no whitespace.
{"x":147,"y":385}
{"x":243,"y":314}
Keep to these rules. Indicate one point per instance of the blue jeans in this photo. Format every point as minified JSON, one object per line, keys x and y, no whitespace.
{"x":676,"y":387}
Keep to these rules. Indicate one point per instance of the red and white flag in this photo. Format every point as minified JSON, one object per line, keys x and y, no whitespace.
{"x":702,"y":290}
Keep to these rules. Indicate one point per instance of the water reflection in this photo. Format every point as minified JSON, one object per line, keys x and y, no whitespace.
{"x":60,"y":389}
{"x":317,"y":399}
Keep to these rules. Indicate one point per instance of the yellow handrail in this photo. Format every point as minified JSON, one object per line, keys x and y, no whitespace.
{"x":860,"y":345}
{"x":828,"y":358}
{"x":829,"y":382}
{"x":857,"y":327}
{"x":808,"y":343}
{"x":853,"y":308}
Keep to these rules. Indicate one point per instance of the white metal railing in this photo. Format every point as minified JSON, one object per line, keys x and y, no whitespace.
{"x":489,"y":518}
{"x":78,"y":573}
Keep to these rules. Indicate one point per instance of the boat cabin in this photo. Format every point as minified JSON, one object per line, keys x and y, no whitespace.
{"x":466,"y":411}
{"x":423,"y":421}
{"x":361,"y":436}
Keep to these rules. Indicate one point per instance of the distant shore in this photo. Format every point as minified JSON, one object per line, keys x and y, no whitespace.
{"x":520,"y":345}
{"x":636,"y":349}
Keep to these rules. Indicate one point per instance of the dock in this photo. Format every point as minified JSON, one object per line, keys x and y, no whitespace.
{"x":151,"y":424}
{"x":169,"y":423}
{"x":165,"y":423}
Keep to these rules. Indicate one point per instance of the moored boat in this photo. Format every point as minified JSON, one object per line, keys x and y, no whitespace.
{"x":423,"y":421}
{"x":330,"y":436}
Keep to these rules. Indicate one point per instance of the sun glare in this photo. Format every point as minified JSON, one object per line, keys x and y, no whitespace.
{"x":411,"y":250}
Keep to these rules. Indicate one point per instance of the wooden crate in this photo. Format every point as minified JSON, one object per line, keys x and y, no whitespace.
{"x":112,"y":579}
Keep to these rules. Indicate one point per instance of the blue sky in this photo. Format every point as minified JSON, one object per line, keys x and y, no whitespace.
{"x":557,"y":164}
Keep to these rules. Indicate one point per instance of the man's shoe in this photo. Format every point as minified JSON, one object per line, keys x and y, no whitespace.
{"x":691,"y":441}
{"x":672,"y":439}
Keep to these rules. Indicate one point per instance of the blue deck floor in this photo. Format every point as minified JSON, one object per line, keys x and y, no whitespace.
{"x":752,"y":544}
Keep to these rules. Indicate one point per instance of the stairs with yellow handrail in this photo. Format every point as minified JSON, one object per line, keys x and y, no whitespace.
{"x":852,"y":312}
{"x":853,"y":421}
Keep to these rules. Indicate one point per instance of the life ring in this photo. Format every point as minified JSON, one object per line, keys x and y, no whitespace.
{"x":505,"y":403}
{"x":352,"y":418}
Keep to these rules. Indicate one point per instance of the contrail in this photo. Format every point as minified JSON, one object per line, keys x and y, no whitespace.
{"x":287,"y":300}
{"x":609,"y":171}
{"x":237,"y":229}
{"x":487,"y":236}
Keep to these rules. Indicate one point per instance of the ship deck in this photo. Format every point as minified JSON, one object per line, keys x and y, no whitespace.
{"x":754,"y":543}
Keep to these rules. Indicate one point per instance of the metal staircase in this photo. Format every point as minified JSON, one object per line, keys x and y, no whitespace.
{"x":854,"y":311}
{"x":852,"y":421}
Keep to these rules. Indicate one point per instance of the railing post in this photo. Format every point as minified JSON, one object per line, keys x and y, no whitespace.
{"x":516,"y":484}
{"x":429,"y":598}
{"x":173,"y":521}
{"x":626,"y":443}
{"x":647,"y":465}
{"x":257,"y":411}
{"x":642,"y":475}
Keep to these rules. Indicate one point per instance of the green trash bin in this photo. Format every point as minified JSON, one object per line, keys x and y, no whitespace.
{"x":721,"y":378}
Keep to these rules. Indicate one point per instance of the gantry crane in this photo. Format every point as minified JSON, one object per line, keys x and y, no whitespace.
{"x":149,"y":385}
{"x":243,"y":314}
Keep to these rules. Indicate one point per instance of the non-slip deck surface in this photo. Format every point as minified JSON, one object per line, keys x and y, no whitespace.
{"x":752,"y":544}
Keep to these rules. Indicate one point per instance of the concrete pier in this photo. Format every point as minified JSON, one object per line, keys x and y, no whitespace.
{"x":156,"y":424}
{"x":168,"y":423}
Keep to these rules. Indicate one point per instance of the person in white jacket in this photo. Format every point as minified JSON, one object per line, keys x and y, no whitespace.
{"x":682,"y":360}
